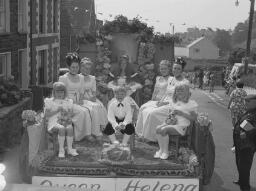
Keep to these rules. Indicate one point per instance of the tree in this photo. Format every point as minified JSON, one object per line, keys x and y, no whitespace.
{"x":240,"y":33}
{"x":236,"y":55}
{"x":222,"y":39}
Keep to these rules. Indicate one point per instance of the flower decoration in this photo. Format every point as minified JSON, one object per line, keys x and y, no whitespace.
{"x":203,"y":119}
{"x":188,"y":157}
{"x":65,"y":117}
{"x":30,"y":117}
{"x":171,"y":119}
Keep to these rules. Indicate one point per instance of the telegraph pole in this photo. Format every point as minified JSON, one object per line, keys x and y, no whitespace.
{"x":249,"y":37}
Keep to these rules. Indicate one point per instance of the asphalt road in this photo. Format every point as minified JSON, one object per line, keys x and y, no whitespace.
{"x":225,"y":170}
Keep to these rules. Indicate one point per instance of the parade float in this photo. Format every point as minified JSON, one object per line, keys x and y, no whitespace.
{"x":114,"y":167}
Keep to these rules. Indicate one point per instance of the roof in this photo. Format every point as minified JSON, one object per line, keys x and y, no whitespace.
{"x":195,"y":42}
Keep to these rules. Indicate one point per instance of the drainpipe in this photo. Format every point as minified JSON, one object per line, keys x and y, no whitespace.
{"x":31,"y":46}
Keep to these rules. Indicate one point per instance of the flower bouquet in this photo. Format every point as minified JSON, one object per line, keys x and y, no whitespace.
{"x":171,"y":119}
{"x":188,"y":157}
{"x":65,"y":117}
{"x":203,"y":119}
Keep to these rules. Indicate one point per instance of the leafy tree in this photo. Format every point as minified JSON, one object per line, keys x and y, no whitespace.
{"x":222,"y":39}
{"x":236,"y":55}
{"x":240,"y":33}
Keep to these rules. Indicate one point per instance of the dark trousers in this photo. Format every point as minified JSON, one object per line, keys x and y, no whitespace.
{"x":129,"y":128}
{"x":244,"y":159}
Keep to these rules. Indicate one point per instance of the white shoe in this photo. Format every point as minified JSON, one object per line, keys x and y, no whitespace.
{"x":157,"y":154}
{"x":61,"y":153}
{"x":164,"y":156}
{"x":72,"y":152}
{"x":233,"y":149}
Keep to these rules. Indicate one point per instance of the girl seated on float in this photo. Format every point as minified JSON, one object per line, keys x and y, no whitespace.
{"x":182,"y":110}
{"x":89,"y":100}
{"x":59,"y":112}
{"x":119,"y":117}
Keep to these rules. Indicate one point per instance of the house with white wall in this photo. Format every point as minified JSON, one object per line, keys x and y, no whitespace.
{"x":201,"y":48}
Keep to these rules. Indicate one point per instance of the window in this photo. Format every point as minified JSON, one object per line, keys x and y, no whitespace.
{"x":4,"y":16}
{"x":23,"y":68}
{"x":5,"y":64}
{"x":42,"y":16}
{"x":42,"y":72}
{"x":22,"y":16}
{"x":55,"y":16}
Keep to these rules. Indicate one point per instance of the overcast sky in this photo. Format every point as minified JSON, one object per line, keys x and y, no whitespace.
{"x":221,"y":14}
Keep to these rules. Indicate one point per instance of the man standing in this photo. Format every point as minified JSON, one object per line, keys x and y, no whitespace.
{"x":245,"y":143}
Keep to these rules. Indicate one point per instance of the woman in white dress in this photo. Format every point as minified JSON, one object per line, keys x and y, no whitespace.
{"x":156,"y":116}
{"x":74,"y":84}
{"x":97,"y":109}
{"x":159,"y":92}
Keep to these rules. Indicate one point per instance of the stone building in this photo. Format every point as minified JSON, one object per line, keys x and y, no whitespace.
{"x":13,"y":40}
{"x":44,"y":41}
{"x":29,"y":41}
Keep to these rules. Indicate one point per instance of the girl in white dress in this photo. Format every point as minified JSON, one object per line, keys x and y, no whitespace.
{"x":159,"y":92}
{"x":59,"y":112}
{"x":74,"y":84}
{"x":182,"y":110}
{"x":97,"y":109}
{"x":156,"y":115}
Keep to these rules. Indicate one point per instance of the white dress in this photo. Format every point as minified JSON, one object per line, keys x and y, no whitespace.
{"x":182,"y":122}
{"x":82,"y":119}
{"x":160,"y":88}
{"x":156,"y":116}
{"x":53,"y":105}
{"x":97,"y":109}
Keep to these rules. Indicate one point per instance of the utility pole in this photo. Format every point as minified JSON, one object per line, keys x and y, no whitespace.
{"x":249,"y":37}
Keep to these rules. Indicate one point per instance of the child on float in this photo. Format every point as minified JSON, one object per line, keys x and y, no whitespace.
{"x":182,"y":111}
{"x":119,"y":117}
{"x":59,"y":112}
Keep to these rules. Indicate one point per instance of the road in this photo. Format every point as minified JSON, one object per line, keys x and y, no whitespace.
{"x":225,"y":172}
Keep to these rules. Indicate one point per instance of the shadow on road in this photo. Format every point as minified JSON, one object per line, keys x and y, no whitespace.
{"x":216,"y":184}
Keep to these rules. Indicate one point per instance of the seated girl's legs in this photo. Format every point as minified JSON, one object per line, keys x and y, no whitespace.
{"x":61,"y":140}
{"x":82,"y":122}
{"x":144,"y":111}
{"x":128,"y":131}
{"x":110,"y":132}
{"x":155,"y":117}
{"x":70,"y":138}
{"x":159,"y":138}
{"x":163,"y":132}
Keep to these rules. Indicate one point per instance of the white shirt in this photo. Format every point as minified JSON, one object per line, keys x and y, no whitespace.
{"x":121,"y":112}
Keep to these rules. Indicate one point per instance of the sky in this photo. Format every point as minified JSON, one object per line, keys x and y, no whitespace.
{"x":222,"y":14}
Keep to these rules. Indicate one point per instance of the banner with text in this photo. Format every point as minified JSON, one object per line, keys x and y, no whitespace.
{"x":120,"y":184}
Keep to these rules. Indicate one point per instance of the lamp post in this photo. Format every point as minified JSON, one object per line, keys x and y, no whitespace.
{"x":249,"y":36}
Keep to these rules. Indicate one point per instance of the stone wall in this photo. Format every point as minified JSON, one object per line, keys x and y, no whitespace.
{"x":11,"y":123}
